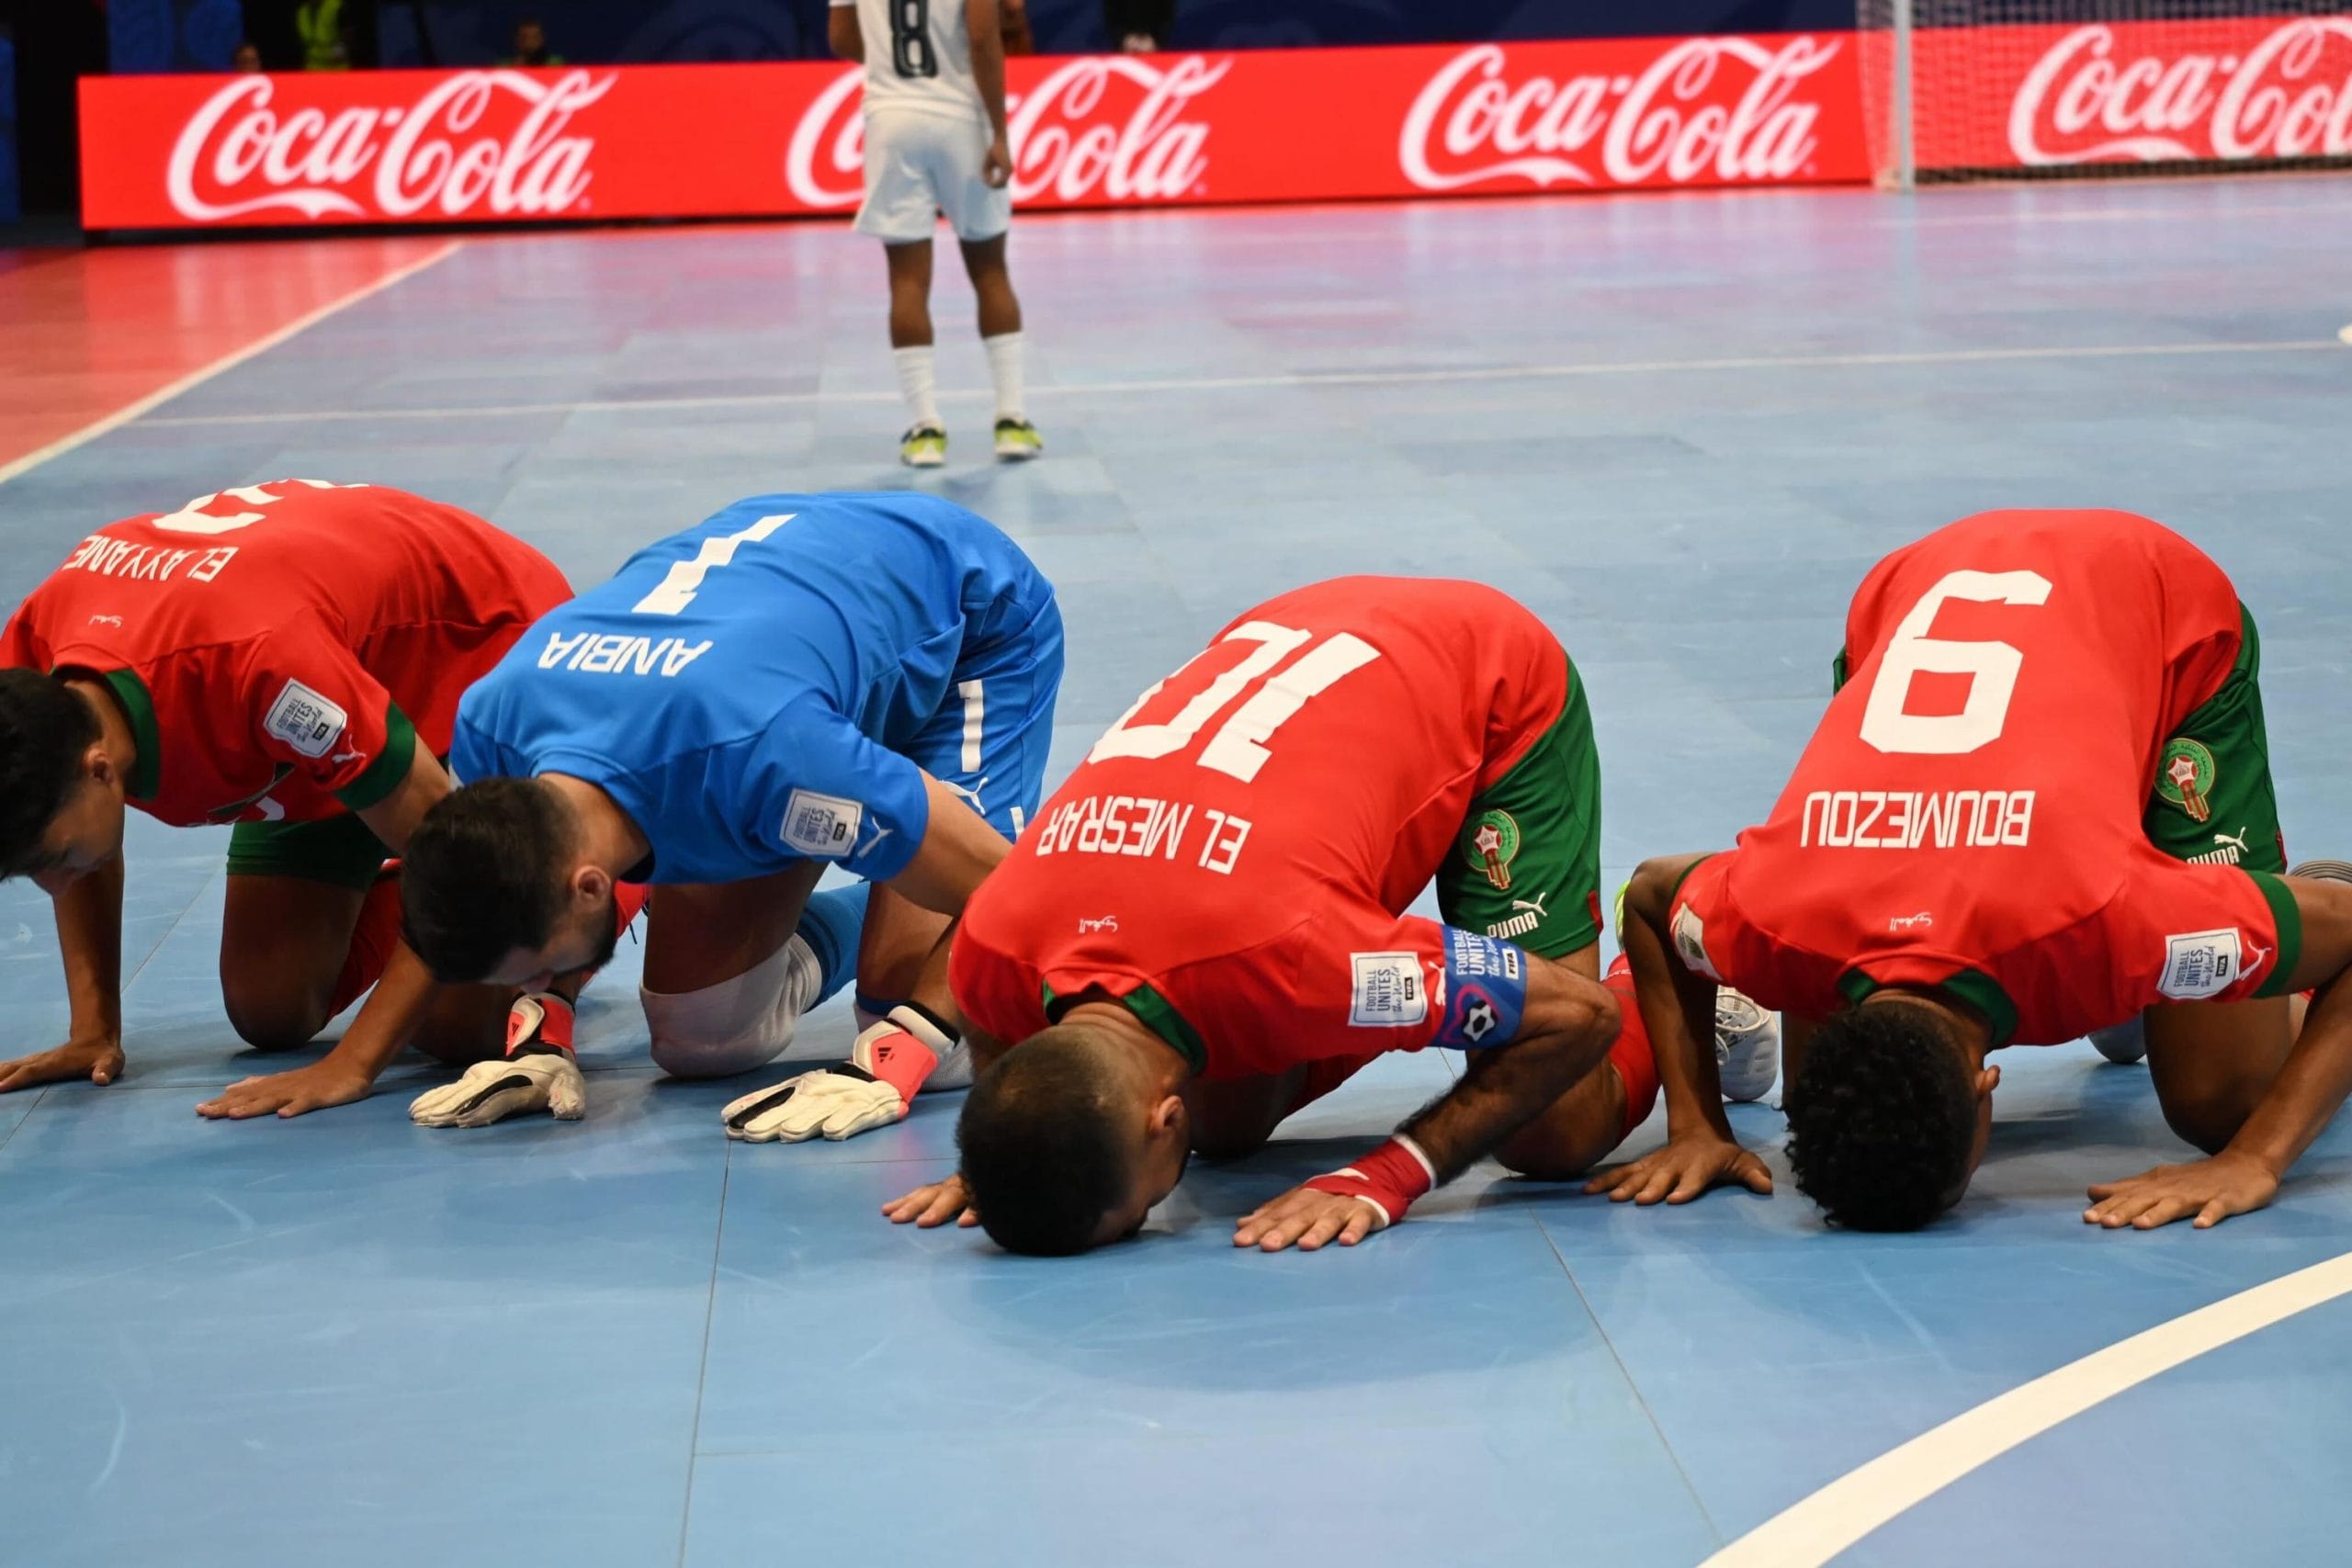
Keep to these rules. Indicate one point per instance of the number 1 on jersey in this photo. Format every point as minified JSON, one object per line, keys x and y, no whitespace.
{"x":1238,"y":748}
{"x":684,"y":579}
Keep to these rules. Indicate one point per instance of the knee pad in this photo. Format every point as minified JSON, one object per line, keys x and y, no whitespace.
{"x":737,"y":1024}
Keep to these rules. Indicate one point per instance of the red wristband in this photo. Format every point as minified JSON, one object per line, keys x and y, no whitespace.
{"x":903,"y":1049}
{"x":1388,"y":1179}
{"x":538,"y":1017}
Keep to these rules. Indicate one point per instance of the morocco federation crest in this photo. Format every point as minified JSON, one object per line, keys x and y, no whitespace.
{"x":1491,"y":840}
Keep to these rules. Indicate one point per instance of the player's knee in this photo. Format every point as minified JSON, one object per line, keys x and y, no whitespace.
{"x":466,"y":1025}
{"x":271,"y":1017}
{"x":735,"y":1025}
{"x":2208,"y":1121}
{"x":1541,"y":1153}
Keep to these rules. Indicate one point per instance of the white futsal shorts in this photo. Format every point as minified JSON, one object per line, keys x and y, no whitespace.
{"x":918,"y":165}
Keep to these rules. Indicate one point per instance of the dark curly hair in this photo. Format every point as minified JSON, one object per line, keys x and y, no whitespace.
{"x":1882,"y":1117}
{"x":44,"y":730}
{"x":482,"y":875}
{"x":1042,"y":1151}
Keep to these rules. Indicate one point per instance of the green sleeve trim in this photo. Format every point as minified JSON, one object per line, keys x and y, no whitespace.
{"x":1983,"y":993}
{"x":2290,"y":918}
{"x":1155,"y":1013}
{"x":147,"y":768}
{"x":1838,"y":672}
{"x":1672,"y":893}
{"x":389,"y":768}
{"x":1973,"y":986}
{"x":1676,"y":892}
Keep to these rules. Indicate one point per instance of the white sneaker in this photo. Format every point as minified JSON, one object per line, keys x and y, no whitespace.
{"x":1747,"y":1046}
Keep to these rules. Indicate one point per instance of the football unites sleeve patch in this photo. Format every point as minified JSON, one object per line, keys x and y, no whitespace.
{"x":1389,"y":990}
{"x":823,"y":827}
{"x":308,"y":721}
{"x":840,"y":796}
{"x":1485,"y":990}
{"x":317,"y":707}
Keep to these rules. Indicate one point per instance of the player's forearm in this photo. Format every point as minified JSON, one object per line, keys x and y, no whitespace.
{"x":1675,"y":1004}
{"x":1571,"y":1024}
{"x":843,"y":34}
{"x":932,"y":992}
{"x":388,"y":1019}
{"x":2310,"y":1087}
{"x":89,"y":938}
{"x":987,"y":73}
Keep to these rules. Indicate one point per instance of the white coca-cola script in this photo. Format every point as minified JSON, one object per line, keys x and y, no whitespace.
{"x":448,"y":151}
{"x":2289,"y":96}
{"x":1680,"y":119}
{"x":1076,"y":136}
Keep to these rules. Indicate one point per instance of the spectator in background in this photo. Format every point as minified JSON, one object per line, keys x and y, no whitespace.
{"x":531,"y":45}
{"x":1012,"y":22}
{"x":1138,"y":27}
{"x":326,"y":39}
{"x":247,"y":61}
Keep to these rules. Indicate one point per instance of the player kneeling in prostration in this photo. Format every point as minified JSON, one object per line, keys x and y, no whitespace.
{"x":1205,"y":930}
{"x":286,"y":658}
{"x":801,"y":681}
{"x":2040,"y":805}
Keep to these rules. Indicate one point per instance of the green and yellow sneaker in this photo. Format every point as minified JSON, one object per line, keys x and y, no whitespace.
{"x":926,"y":446}
{"x":1017,"y":441}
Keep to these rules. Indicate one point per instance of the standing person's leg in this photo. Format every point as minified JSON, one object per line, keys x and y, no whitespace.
{"x":981,"y":215}
{"x":900,"y":211}
{"x":1000,"y":311}
{"x":925,"y":444}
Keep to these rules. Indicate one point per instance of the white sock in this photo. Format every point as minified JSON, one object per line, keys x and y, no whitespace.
{"x":918,"y":384}
{"x":1004,"y":368}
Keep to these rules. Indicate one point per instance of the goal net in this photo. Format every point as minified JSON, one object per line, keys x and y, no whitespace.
{"x":1975,"y":89}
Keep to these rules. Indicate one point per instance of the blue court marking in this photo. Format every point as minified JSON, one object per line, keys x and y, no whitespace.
{"x":627,"y":1342}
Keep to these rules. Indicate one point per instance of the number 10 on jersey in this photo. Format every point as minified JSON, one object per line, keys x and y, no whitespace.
{"x":1240,"y":746}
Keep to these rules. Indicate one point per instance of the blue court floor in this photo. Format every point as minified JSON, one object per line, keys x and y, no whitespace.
{"x":1680,"y":428}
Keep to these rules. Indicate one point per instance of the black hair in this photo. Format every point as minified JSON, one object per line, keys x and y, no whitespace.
{"x":483,"y":875}
{"x":45,"y":729}
{"x":1882,"y":1117}
{"x":1043,"y":1156}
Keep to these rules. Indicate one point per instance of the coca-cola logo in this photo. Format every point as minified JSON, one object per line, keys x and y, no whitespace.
{"x":448,"y":151}
{"x":1113,"y":127}
{"x":1724,"y":108}
{"x":2283,"y":97}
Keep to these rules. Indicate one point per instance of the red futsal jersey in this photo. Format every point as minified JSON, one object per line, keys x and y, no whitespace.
{"x":283,"y":649}
{"x":1969,"y":814}
{"x":1235,"y":857}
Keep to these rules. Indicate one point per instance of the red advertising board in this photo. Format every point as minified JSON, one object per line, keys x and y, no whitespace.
{"x":695,"y":140}
{"x":2223,"y":88}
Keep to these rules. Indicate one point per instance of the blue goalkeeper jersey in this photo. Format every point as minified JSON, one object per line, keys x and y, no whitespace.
{"x":767,"y":686}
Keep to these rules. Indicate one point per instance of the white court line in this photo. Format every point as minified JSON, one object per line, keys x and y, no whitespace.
{"x":1849,"y":1508}
{"x":1302,"y":379}
{"x":130,"y":411}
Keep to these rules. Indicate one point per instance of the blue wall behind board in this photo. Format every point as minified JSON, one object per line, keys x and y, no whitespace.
{"x":596,"y":31}
{"x":173,"y":35}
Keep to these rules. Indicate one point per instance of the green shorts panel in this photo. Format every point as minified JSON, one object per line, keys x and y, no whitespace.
{"x":337,"y":850}
{"x":1526,"y":866}
{"x":2214,"y":804}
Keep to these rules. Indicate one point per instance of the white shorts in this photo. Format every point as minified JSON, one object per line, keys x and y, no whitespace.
{"x":920,"y":165}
